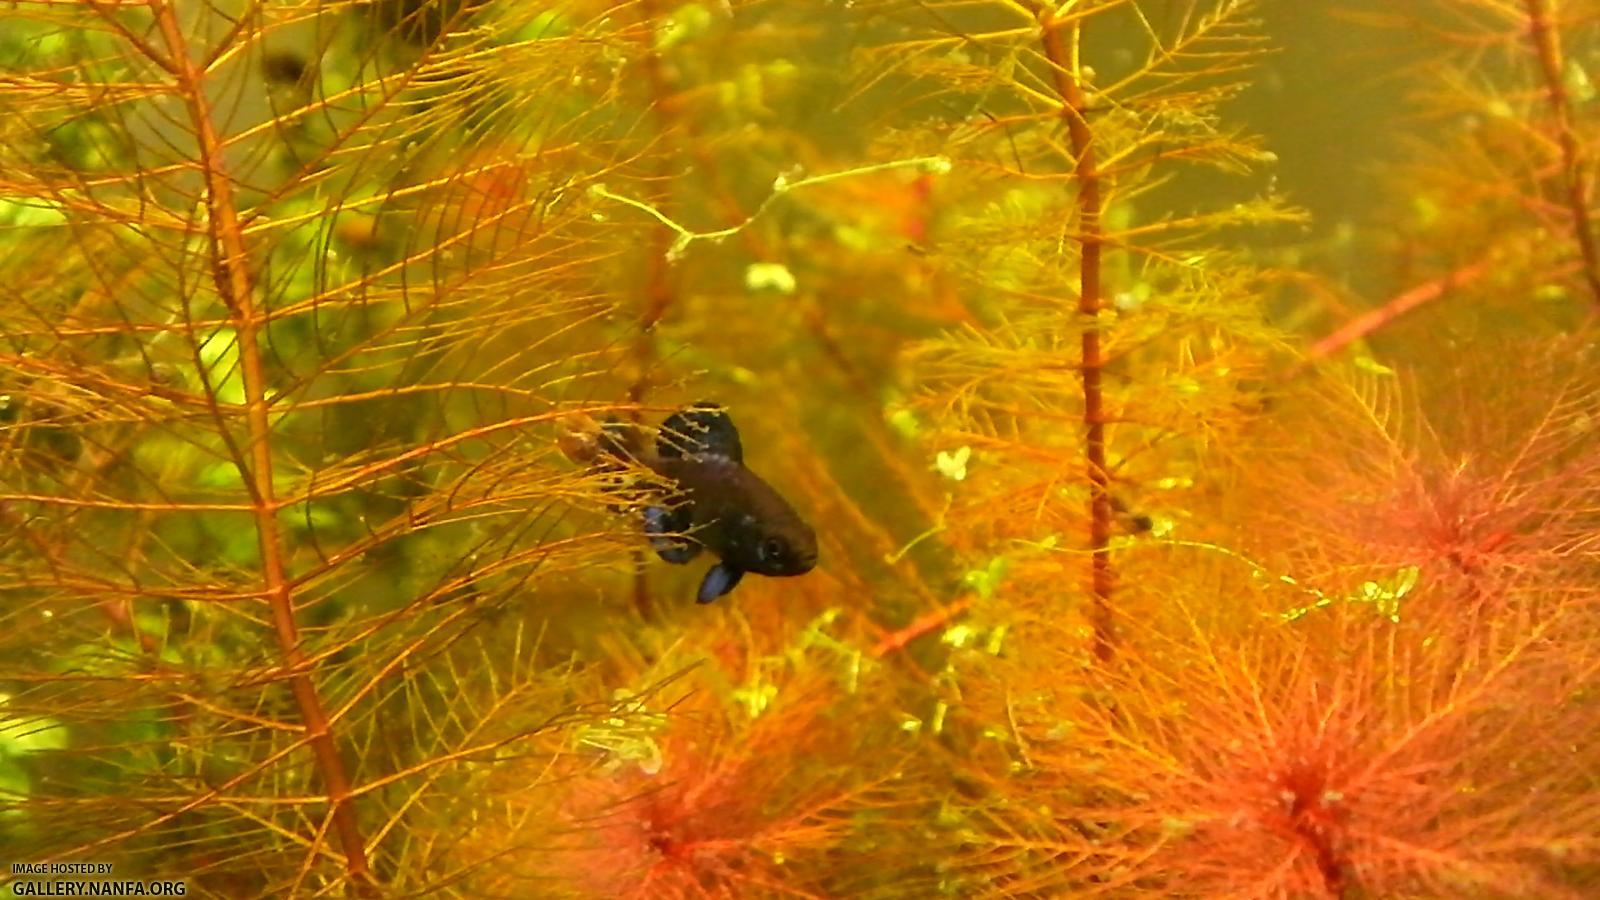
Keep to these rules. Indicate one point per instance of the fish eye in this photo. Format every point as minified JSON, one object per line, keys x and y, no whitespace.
{"x":771,"y":549}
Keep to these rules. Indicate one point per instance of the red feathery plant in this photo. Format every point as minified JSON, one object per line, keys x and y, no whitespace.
{"x":1338,"y":756}
{"x":1380,"y":688}
{"x":1483,"y":489}
{"x":738,"y":774}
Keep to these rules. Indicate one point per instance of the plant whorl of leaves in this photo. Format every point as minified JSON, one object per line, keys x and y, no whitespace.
{"x":724,"y":778}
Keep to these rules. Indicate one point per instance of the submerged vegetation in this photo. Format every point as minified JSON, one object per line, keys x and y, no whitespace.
{"x":1176,"y":535}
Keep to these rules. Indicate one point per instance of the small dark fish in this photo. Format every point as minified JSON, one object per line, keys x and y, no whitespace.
{"x":715,"y":503}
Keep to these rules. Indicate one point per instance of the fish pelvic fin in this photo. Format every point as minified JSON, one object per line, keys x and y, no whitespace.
{"x":721,"y":579}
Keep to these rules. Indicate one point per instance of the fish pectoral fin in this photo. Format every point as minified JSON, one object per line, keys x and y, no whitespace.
{"x":720,"y":580}
{"x":703,"y":429}
{"x":664,"y":525}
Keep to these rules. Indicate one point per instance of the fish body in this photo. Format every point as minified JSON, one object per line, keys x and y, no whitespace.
{"x":714,"y":503}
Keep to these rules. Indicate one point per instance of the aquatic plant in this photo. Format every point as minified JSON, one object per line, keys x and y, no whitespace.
{"x":1490,"y":198}
{"x":280,"y":326}
{"x":724,"y":778}
{"x":1159,"y":555}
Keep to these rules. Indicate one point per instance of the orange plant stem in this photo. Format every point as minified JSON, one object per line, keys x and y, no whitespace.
{"x":1402,"y":303}
{"x":921,"y":625}
{"x":1066,"y":72}
{"x":1547,"y":45}
{"x":658,"y":292}
{"x":230,"y":271}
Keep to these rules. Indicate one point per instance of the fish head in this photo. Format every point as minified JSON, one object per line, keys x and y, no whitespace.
{"x":767,"y":536}
{"x":783,"y":545}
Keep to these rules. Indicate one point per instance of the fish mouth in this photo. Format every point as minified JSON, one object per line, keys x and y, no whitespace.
{"x":794,"y":565}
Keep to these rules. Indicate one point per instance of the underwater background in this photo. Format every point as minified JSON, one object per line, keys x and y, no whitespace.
{"x":1119,"y":447}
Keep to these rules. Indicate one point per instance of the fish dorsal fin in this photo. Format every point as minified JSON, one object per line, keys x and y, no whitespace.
{"x":703,"y":429}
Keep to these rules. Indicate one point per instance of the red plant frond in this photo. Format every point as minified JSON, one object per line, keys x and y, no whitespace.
{"x":1303,"y":760}
{"x":1491,"y":501}
{"x":737,"y":779}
